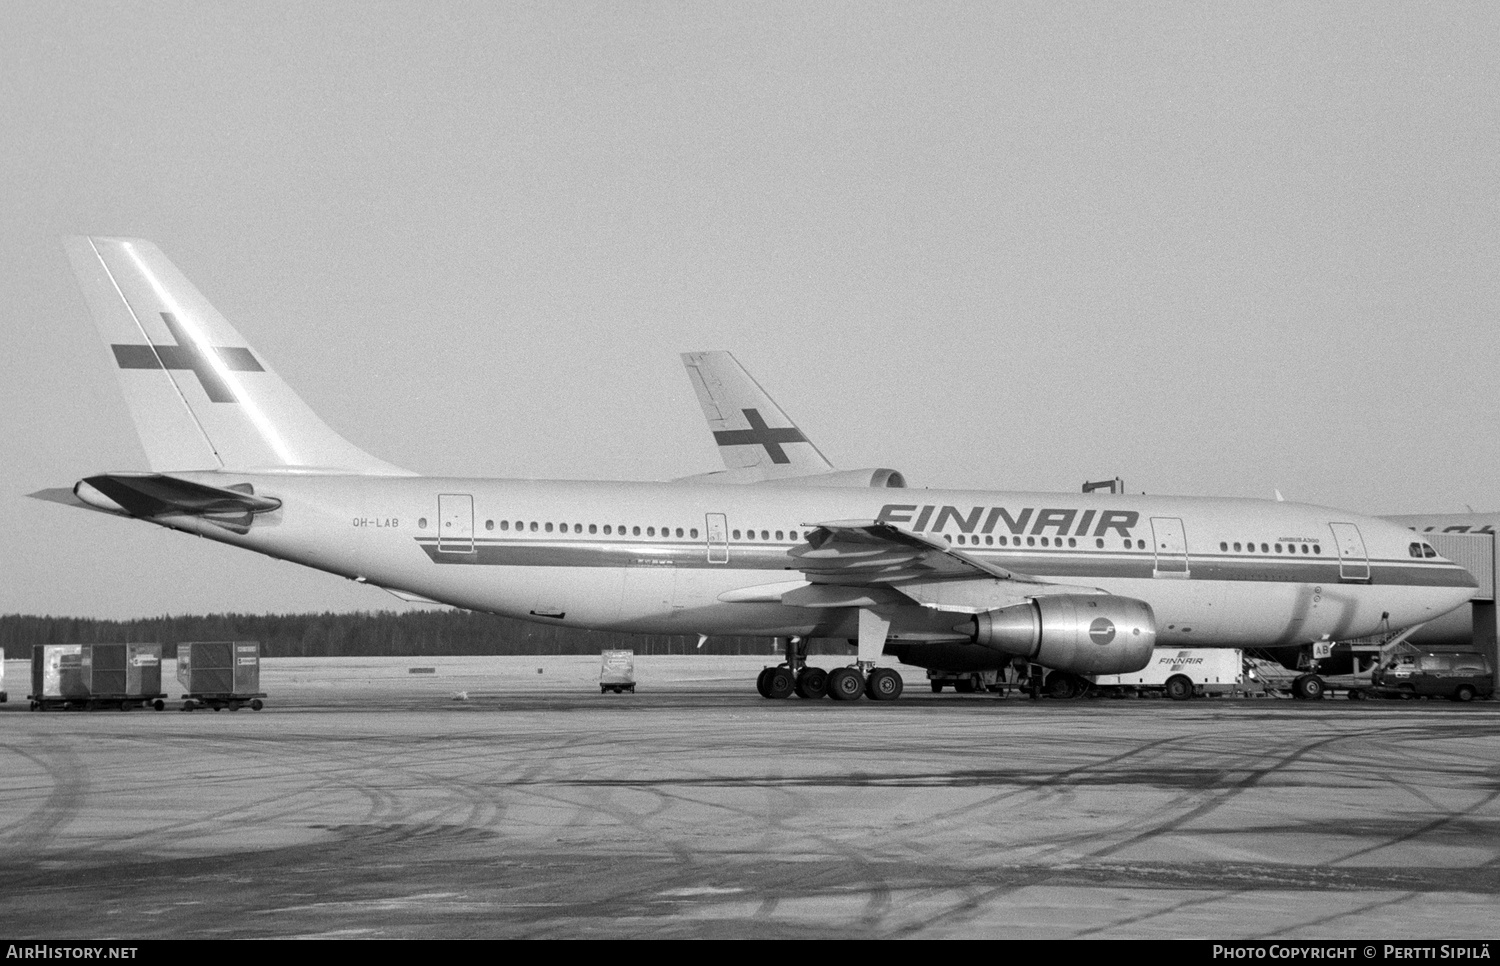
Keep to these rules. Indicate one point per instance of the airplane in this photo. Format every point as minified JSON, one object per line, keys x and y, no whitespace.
{"x":732,"y":401}
{"x":1081,"y":584}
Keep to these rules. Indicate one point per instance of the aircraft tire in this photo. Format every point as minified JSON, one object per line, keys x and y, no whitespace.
{"x":780,"y":684}
{"x":845,"y":684}
{"x":884,"y":684}
{"x":1063,"y":686}
{"x":762,"y":680}
{"x":812,"y":683}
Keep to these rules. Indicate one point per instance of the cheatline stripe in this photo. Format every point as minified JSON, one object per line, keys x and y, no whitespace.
{"x":1075,"y":564}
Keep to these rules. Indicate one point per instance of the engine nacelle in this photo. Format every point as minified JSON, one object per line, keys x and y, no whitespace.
{"x":1081,"y":633}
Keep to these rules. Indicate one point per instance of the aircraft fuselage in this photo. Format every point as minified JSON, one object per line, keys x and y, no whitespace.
{"x":662,"y":557}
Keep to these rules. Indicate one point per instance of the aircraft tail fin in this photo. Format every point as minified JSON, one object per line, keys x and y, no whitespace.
{"x":200,"y":397}
{"x":753,"y":434}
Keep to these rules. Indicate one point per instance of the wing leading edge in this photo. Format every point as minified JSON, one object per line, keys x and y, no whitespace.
{"x":864,"y":563}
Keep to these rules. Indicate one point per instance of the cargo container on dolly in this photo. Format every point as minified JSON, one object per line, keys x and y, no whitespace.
{"x":220,"y":674}
{"x":93,"y":676}
{"x":616,"y":671}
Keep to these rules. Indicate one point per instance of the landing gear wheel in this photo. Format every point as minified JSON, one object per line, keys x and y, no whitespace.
{"x":1179,"y":687}
{"x":762,"y":680}
{"x":1464,"y":693}
{"x":884,"y":684}
{"x":812,"y":683}
{"x":964,"y":685}
{"x":1309,"y":687}
{"x":1060,"y":684}
{"x":780,"y":684}
{"x":845,"y":684}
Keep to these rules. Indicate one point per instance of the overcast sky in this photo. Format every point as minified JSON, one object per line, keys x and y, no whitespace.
{"x":1215,"y":249}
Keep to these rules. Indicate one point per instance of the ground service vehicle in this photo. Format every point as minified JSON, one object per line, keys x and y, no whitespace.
{"x":1182,"y":672}
{"x":1460,"y":675}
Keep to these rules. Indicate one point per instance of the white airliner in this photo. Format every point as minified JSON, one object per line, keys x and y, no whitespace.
{"x":1079,"y":583}
{"x":732,"y":401}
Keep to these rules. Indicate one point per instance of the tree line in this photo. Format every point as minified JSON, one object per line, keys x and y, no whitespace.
{"x":363,"y":634}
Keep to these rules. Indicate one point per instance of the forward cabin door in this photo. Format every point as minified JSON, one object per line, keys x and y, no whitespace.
{"x":455,"y":523}
{"x":716,"y":526}
{"x":1170,"y":542}
{"x":1354,"y":563}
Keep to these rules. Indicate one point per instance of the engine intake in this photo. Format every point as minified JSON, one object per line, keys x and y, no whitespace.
{"x":1084,"y":634}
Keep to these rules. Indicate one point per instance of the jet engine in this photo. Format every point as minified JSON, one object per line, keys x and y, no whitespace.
{"x":1081,"y":633}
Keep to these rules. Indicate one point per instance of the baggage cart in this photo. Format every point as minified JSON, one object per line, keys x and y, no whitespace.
{"x":93,"y":676}
{"x":220,"y":674}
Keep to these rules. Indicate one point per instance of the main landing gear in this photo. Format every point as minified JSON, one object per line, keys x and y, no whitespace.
{"x":840,"y":684}
{"x":864,"y":679}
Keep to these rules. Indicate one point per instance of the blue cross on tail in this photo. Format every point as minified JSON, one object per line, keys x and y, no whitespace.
{"x":759,"y":434}
{"x":186,"y":355}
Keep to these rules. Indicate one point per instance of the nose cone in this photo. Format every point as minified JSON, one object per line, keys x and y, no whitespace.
{"x":1461,"y":589}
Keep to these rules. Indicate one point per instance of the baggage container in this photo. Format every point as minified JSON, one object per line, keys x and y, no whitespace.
{"x":616,"y":671}
{"x":92,"y":676}
{"x":220,"y":674}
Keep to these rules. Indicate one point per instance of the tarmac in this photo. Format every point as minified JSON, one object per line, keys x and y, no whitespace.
{"x":508,"y":798}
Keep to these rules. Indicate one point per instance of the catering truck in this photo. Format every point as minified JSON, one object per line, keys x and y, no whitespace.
{"x":1183,"y":672}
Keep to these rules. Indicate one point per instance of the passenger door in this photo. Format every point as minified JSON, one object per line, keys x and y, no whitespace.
{"x":455,"y":523}
{"x":716,"y":527}
{"x":1354,"y":564}
{"x":1169,"y":540}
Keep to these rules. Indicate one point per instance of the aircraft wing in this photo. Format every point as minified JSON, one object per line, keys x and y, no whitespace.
{"x":860,"y":562}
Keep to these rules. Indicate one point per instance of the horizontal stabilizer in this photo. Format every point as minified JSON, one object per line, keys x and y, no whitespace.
{"x":65,"y":496}
{"x":150,"y":495}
